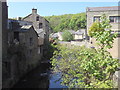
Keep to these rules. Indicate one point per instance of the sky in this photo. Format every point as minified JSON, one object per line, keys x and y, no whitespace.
{"x":22,"y":9}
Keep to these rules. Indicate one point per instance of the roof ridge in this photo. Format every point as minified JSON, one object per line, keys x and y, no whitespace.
{"x":26,"y":16}
{"x":110,"y":8}
{"x":104,"y":7}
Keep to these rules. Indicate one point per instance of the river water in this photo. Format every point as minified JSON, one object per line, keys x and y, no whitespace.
{"x":40,"y":77}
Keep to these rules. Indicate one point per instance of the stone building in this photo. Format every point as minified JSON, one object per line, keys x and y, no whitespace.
{"x":24,"y":52}
{"x":41,"y":26}
{"x":0,"y":45}
{"x":3,"y":42}
{"x":28,"y":39}
{"x":112,"y":13}
{"x":80,"y":35}
{"x":4,"y":28}
{"x":22,"y":45}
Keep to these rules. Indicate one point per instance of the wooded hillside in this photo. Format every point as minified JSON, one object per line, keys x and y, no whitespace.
{"x":67,"y":22}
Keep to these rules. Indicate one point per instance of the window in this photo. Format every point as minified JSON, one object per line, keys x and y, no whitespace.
{"x":40,"y":25}
{"x":10,"y":26}
{"x":114,"y":19}
{"x":39,"y":50}
{"x":31,"y":41}
{"x":96,"y":18}
{"x":16,"y":36}
{"x":37,"y":18}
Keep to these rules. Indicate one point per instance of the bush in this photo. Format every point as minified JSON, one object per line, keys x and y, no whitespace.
{"x":67,"y":36}
{"x":95,"y":28}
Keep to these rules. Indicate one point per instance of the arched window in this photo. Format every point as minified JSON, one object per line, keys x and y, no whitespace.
{"x":37,"y":18}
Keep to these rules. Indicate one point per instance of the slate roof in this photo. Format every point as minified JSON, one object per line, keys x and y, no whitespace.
{"x":26,"y":16}
{"x":117,"y":8}
{"x":39,"y":31}
{"x":26,"y":27}
{"x":15,"y":20}
{"x":54,"y":35}
{"x":80,"y":32}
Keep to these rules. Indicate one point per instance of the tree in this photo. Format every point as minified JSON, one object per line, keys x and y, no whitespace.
{"x":67,"y":22}
{"x":67,"y":36}
{"x":83,"y":67}
{"x":95,"y":28}
{"x":102,"y":33}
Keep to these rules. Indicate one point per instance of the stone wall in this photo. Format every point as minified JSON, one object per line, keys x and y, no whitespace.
{"x":22,"y":56}
{"x":36,"y":24}
{"x":115,"y":50}
{"x":4,"y":45}
{"x":18,"y":57}
{"x":91,"y":14}
{"x":0,"y":45}
{"x":4,"y":29}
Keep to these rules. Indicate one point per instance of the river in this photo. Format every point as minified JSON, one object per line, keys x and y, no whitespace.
{"x":40,"y":77}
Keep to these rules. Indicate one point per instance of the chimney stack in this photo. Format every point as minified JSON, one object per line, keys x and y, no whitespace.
{"x":34,"y":11}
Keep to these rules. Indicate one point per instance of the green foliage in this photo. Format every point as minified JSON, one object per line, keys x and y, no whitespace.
{"x":99,"y":26}
{"x":94,"y":28}
{"x":51,"y":49}
{"x":83,"y":67}
{"x":67,"y":22}
{"x":102,"y":33}
{"x":67,"y":36}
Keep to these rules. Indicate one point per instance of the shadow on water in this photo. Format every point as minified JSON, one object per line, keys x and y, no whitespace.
{"x":40,"y":77}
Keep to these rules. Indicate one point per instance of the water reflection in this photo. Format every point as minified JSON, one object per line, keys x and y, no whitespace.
{"x":40,"y":78}
{"x":55,"y":81}
{"x":34,"y":79}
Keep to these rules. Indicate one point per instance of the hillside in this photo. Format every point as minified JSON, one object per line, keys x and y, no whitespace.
{"x":67,"y":22}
